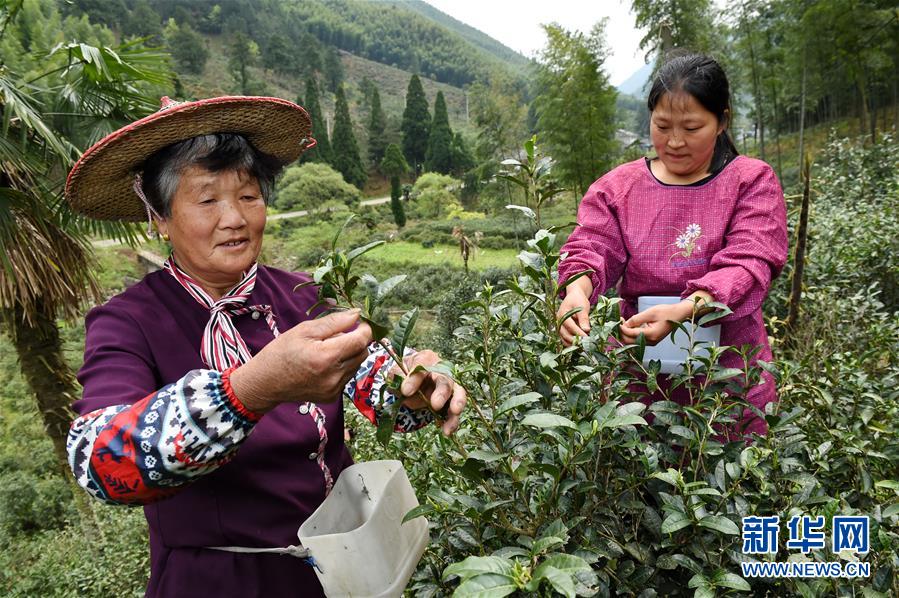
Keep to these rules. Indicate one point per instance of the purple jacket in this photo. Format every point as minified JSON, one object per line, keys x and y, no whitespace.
{"x":149,"y":337}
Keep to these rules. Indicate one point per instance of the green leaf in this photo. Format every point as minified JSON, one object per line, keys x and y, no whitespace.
{"x":672,"y":476}
{"x":533,"y":260}
{"x":721,"y":310}
{"x":548,"y":420}
{"x":545,"y":543}
{"x":378,"y":331}
{"x":478,"y":565}
{"x":675,"y":522}
{"x":419,"y":511}
{"x":518,"y":401}
{"x":388,"y":285}
{"x":725,"y":374}
{"x":891,"y":510}
{"x":319,"y":275}
{"x":632,"y":408}
{"x":623,"y":420}
{"x":568,"y":314}
{"x":573,"y":278}
{"x":387,"y":423}
{"x":891,"y":484}
{"x":403,"y":330}
{"x":354,"y":253}
{"x":526,"y":211}
{"x":698,"y":580}
{"x":559,"y":580}
{"x":343,"y":227}
{"x":488,"y":585}
{"x":702,"y":491}
{"x":485,"y":456}
{"x":548,"y":360}
{"x":682,"y":431}
{"x":731,"y":580}
{"x":704,"y":592}
{"x":568,"y":563}
{"x":720,"y":524}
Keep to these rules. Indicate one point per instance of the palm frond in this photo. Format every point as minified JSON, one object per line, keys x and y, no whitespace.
{"x":44,"y":268}
{"x":19,"y":111}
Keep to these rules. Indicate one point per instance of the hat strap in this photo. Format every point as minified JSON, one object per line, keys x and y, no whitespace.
{"x":139,"y":190}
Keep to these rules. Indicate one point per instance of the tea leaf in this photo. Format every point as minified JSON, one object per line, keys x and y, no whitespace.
{"x":403,"y":330}
{"x":354,"y":253}
{"x":675,"y":522}
{"x":720,"y":524}
{"x":478,"y":565}
{"x":730,"y":580}
{"x":489,"y":585}
{"x":518,"y":401}
{"x":419,"y":511}
{"x":548,"y":420}
{"x":559,"y":580}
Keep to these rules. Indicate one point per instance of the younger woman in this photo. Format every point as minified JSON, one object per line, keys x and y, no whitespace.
{"x":698,"y":221}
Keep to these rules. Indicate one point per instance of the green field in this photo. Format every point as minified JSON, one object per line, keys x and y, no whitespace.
{"x":402,"y":252}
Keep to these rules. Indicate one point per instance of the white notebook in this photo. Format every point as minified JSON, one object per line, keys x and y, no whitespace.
{"x":673,"y":354}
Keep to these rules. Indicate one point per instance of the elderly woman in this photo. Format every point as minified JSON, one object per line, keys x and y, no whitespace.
{"x":211,"y":397}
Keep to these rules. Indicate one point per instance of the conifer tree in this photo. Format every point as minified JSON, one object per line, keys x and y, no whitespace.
{"x":575,"y":105}
{"x":462,"y":158}
{"x":394,"y":165}
{"x":344,"y":149}
{"x":322,"y":150}
{"x":439,"y":156}
{"x":416,"y":125}
{"x":376,"y":128}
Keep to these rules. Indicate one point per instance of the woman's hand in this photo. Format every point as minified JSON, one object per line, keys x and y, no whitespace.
{"x":436,"y":388}
{"x":654,"y":322}
{"x":312,"y":361}
{"x":577,"y":294}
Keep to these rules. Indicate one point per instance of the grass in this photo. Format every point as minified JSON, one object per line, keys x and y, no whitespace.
{"x":404,"y":253}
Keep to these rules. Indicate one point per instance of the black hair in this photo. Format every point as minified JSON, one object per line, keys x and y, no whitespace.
{"x":217,"y":152}
{"x":704,"y":79}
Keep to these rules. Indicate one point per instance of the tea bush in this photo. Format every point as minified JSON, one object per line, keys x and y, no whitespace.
{"x":563,"y":481}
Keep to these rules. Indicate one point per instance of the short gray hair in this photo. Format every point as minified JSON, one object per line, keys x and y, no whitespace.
{"x":217,"y":152}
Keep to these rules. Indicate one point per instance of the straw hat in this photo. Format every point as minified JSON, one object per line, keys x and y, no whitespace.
{"x":100,"y":184}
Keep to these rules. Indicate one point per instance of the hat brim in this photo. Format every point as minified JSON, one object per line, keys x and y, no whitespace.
{"x":100,"y":185}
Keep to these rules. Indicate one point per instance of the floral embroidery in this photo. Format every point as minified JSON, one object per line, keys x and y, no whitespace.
{"x":686,"y":241}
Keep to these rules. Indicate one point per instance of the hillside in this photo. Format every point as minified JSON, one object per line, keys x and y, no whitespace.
{"x":390,"y":81}
{"x":469,"y":33}
{"x":361,"y":44}
{"x":411,"y":36}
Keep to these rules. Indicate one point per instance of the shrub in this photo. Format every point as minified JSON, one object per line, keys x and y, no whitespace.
{"x":314,"y":186}
{"x":563,"y":480}
{"x":434,"y":195}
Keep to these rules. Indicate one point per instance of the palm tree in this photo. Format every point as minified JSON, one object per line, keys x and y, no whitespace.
{"x":81,"y":93}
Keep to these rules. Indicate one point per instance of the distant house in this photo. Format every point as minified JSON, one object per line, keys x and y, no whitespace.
{"x":630,"y":139}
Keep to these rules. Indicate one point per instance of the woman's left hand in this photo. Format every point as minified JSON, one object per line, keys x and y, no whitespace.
{"x":436,"y":388}
{"x":654,"y":323}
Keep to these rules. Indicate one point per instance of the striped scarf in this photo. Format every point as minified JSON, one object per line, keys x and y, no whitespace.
{"x":222,"y":346}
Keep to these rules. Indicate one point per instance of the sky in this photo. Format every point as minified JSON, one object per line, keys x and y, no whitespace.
{"x":516,"y":23}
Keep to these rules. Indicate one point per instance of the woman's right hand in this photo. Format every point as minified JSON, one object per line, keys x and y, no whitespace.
{"x":312,"y":361}
{"x":577,"y":294}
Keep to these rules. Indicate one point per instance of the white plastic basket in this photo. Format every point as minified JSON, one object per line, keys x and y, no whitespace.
{"x":673,"y":354}
{"x":357,"y":536}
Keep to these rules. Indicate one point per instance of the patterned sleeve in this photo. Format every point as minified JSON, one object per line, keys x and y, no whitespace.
{"x":141,"y":453}
{"x":754,"y":252}
{"x":596,"y":244}
{"x":366,"y":391}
